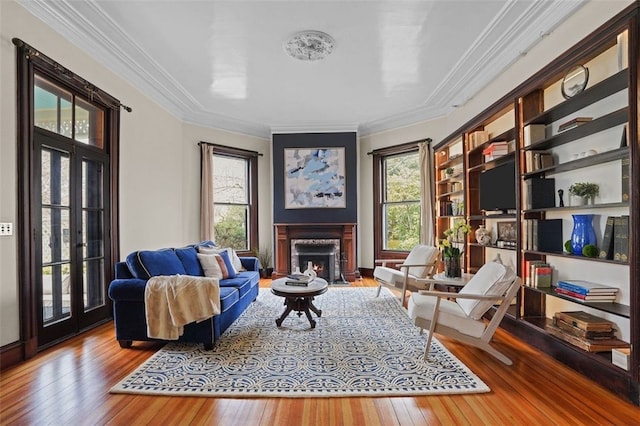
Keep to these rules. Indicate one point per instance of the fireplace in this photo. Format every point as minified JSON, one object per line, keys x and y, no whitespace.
{"x":324,"y":254}
{"x":341,"y":237}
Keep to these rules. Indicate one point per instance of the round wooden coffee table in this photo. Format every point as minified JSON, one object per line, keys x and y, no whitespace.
{"x":299,"y":298}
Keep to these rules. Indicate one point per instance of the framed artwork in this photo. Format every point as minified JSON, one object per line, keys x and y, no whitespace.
{"x":314,"y":178}
{"x":507,"y":231}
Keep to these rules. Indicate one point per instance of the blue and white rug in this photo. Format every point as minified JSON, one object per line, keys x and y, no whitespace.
{"x":361,"y":346}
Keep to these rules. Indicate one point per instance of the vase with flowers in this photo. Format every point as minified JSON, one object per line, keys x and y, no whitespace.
{"x":451,"y":247}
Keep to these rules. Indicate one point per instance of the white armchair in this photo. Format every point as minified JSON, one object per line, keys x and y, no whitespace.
{"x":420,"y":263}
{"x":461,"y":318}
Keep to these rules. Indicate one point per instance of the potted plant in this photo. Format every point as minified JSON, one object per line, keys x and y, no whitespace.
{"x":585,"y":191}
{"x":264,"y":257}
{"x":451,"y":247}
{"x":448,"y":172}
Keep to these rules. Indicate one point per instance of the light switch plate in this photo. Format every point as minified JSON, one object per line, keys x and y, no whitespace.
{"x":6,"y":228}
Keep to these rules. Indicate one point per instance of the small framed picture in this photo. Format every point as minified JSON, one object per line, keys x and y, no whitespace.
{"x":507,"y":231}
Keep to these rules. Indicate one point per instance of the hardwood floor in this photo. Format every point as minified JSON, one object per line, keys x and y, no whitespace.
{"x":69,"y":385}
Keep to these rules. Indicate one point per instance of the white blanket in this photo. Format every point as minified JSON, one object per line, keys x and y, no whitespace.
{"x":173,"y":301}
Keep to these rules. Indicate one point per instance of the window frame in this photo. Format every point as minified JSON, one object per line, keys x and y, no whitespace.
{"x":379,"y":186}
{"x":251,"y":157}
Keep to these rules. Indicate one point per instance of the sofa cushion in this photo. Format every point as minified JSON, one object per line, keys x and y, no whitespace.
{"x":242,"y":282}
{"x":229,"y":296}
{"x":188,"y":257}
{"x":145,"y":264}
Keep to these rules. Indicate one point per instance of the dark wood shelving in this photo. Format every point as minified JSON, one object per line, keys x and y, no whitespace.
{"x":597,"y":125}
{"x":455,"y":178}
{"x":575,"y":257}
{"x":492,"y":216}
{"x":611,"y":307}
{"x":604,"y":157}
{"x":601,"y":90}
{"x":493,"y":246}
{"x":584,"y":207}
{"x":452,"y":160}
{"x":450,"y":194}
{"x":493,"y":163}
{"x":506,"y":136}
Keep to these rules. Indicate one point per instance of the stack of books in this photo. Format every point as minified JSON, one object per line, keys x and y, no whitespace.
{"x":578,"y":121}
{"x":495,"y":150}
{"x":301,"y":280}
{"x":585,"y":331}
{"x":586,"y":291}
{"x":538,"y":274}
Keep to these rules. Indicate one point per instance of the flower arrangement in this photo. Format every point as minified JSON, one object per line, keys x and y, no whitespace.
{"x":453,"y":237}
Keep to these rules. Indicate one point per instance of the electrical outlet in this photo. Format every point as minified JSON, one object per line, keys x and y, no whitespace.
{"x":6,"y":228}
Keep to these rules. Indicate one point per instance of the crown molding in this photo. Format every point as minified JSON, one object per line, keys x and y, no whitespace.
{"x":316,"y":128}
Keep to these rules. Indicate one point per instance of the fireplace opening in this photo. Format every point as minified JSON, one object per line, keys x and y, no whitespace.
{"x":321,"y":256}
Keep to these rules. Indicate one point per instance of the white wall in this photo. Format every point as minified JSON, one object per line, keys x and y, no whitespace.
{"x":159,"y":159}
{"x":584,"y":21}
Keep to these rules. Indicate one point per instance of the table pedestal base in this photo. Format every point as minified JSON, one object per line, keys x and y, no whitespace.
{"x":300,"y":305}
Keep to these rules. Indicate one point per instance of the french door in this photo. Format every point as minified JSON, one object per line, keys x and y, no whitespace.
{"x":69,"y":239}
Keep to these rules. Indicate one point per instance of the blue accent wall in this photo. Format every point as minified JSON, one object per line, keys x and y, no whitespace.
{"x":346,"y":140}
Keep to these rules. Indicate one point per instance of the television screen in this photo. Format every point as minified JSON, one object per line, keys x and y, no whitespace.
{"x":498,"y":188}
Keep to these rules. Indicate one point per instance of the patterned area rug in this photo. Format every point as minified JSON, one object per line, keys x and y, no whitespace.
{"x":361,"y":346}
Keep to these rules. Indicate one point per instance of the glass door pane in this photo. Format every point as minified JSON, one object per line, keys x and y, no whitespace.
{"x":55,"y":225}
{"x":93,"y":234}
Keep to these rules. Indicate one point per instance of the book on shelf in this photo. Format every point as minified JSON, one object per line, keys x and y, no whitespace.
{"x":540,"y":193}
{"x":585,"y":321}
{"x":606,"y":297}
{"x":536,"y":160}
{"x":542,"y":276}
{"x":589,"y":345}
{"x":576,"y":331}
{"x":533,"y":133}
{"x":621,"y":238}
{"x":529,"y":268}
{"x":586,"y":287}
{"x":545,"y":235}
{"x":477,"y":138}
{"x":578,"y":121}
{"x":625,"y":178}
{"x":606,"y":250}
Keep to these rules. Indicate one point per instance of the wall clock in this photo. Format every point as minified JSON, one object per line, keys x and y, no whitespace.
{"x":574,"y":81}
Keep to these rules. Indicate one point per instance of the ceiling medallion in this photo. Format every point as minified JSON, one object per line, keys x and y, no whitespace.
{"x":309,"y":45}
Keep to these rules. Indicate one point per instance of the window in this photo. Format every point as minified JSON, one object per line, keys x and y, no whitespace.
{"x":397,"y":199}
{"x":235,"y":198}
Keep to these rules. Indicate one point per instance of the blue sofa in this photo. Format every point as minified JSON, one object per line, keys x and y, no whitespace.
{"x":127,"y":293}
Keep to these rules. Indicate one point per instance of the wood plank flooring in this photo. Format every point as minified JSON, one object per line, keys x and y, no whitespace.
{"x":69,"y":385}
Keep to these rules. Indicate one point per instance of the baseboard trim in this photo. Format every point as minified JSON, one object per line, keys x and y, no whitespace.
{"x":11,"y":354}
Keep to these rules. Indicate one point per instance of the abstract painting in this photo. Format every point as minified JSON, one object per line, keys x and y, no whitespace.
{"x":314,"y":178}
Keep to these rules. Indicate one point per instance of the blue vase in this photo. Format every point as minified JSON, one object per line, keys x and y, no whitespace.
{"x":583,"y":232}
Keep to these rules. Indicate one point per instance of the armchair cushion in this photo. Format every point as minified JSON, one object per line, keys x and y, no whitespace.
{"x":492,"y":279}
{"x":421,"y":255}
{"x":450,"y":314}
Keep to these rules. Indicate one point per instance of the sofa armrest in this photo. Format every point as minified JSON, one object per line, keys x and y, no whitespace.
{"x":250,"y":263}
{"x":131,"y":289}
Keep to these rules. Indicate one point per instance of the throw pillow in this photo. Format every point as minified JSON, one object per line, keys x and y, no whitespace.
{"x":231,"y":272}
{"x":231,"y":253}
{"x":211,"y":265}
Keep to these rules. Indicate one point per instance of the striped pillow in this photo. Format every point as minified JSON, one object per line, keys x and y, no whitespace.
{"x":216,"y":266}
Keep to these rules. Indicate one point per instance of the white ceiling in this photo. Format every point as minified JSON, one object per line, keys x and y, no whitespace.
{"x":222,"y":64}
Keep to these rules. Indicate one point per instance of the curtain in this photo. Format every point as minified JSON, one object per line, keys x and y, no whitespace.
{"x":206,"y":193}
{"x":427,"y":225}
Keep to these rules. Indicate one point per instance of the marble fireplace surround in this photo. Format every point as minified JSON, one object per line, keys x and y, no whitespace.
{"x":287,"y":234}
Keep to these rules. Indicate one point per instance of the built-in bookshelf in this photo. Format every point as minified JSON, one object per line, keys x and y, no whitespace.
{"x":555,"y":142}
